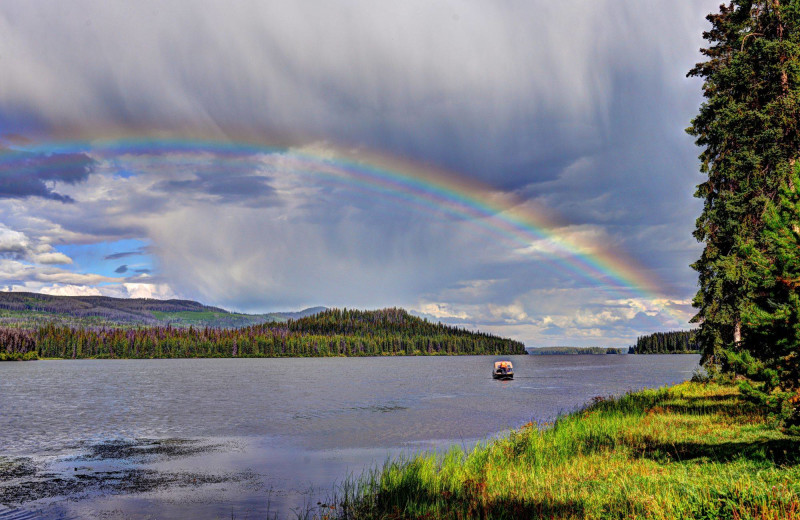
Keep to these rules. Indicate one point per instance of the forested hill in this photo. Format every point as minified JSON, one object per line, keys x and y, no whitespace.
{"x":393,"y":321}
{"x":23,"y":309}
{"x":676,"y":342}
{"x":329,"y":333}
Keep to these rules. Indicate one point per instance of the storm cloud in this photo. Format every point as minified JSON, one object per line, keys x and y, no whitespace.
{"x":228,"y":188}
{"x":25,"y":174}
{"x":576,"y":106}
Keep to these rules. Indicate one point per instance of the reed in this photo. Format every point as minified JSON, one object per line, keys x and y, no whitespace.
{"x":690,"y":451}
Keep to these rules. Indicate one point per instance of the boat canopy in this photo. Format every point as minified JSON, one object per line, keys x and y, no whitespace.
{"x":503,"y":364}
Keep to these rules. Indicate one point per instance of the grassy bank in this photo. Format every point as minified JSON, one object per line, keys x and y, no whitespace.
{"x":690,"y":451}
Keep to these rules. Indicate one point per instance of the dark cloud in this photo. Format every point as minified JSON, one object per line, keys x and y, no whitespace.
{"x":101,"y":228}
{"x":124,"y":254}
{"x":579,"y":106}
{"x":228,"y":187}
{"x":16,"y":251}
{"x":28,"y":174}
{"x":142,"y":271}
{"x":121,"y":269}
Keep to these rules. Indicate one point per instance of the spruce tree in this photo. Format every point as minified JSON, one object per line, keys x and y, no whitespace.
{"x":773,"y":315}
{"x":748,"y":128}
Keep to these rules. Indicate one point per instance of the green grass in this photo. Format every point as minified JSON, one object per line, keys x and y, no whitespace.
{"x":691,"y":451}
{"x":31,"y":319}
{"x":18,"y":356}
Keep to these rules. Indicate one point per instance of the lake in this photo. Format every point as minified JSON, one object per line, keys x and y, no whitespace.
{"x":216,"y":438}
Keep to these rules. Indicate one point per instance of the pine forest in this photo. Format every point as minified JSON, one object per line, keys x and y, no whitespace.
{"x":333,"y":332}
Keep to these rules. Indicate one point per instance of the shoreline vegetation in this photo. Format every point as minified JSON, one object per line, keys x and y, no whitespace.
{"x":333,"y":332}
{"x":675,"y":342}
{"x":572,"y":351}
{"x":694,"y":450}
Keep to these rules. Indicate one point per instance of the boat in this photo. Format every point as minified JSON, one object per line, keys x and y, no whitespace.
{"x":503,"y":370}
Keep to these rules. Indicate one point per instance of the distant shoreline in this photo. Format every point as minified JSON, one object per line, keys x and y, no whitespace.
{"x":339,"y":356}
{"x":595,"y":351}
{"x":572,"y":351}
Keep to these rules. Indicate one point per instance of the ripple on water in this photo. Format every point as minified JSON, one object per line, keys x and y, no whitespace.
{"x":152,"y":437}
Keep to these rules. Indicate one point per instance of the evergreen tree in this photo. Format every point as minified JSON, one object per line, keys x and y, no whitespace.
{"x":748,"y":128}
{"x":333,"y":332}
{"x":675,"y":342}
{"x":773,"y":316}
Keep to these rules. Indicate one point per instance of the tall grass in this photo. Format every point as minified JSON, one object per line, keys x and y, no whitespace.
{"x":690,"y":451}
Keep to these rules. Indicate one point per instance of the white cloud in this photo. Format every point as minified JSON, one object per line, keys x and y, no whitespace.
{"x":51,"y":258}
{"x":70,"y":290}
{"x":67,"y":277}
{"x":578,"y":317}
{"x":17,"y":244}
{"x":513,"y":313}
{"x":440,"y":310}
{"x":12,"y":241}
{"x":568,"y":241}
{"x":34,"y":277}
{"x":159,"y":291}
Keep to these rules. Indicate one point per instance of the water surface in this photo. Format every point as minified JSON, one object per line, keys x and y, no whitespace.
{"x":208,"y":438}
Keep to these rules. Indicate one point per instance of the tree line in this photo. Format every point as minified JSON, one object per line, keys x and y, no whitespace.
{"x":567,"y":351}
{"x":675,"y":342}
{"x":330,"y":333}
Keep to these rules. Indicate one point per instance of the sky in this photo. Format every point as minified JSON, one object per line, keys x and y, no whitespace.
{"x":520,"y":168}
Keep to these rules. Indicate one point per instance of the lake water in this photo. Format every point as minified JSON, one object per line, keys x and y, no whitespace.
{"x":215,"y":438}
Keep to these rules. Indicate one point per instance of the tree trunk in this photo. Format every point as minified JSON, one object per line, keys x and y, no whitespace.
{"x":737,"y":332}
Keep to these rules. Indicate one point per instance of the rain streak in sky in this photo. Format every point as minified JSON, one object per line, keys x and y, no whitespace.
{"x":517,"y":167}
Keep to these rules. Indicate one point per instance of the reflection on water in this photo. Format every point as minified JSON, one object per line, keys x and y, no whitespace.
{"x":211,"y":437}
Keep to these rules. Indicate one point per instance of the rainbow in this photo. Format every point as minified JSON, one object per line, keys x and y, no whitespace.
{"x":530,"y":227}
